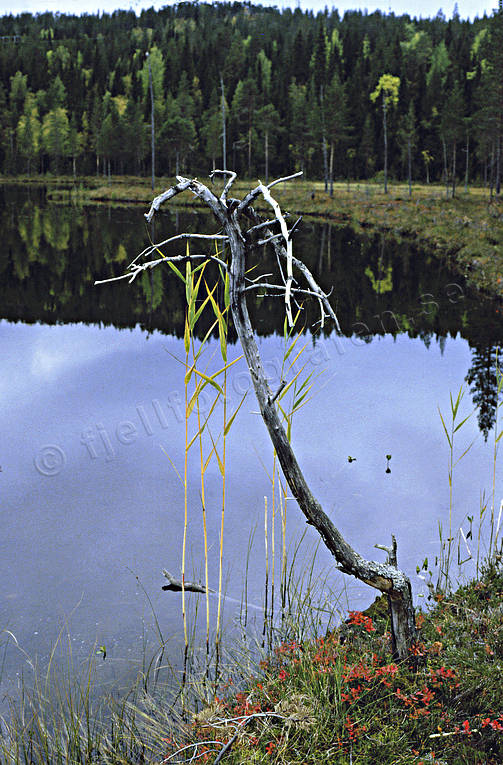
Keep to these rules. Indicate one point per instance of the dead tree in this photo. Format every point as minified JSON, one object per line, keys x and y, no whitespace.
{"x":242,"y":229}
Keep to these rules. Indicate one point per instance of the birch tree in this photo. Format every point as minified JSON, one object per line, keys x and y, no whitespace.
{"x":387,"y":88}
{"x":55,"y":135}
{"x":28,"y":132}
{"x":408,"y":139}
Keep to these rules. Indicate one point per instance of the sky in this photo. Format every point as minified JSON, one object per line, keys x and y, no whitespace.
{"x":427,"y":8}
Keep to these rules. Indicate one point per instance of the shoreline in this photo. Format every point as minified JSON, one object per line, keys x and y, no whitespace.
{"x":466,"y":231}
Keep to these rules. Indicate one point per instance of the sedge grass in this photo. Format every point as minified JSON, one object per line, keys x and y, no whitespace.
{"x":196,"y":380}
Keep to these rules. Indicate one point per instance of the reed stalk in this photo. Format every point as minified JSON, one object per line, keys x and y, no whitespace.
{"x":266,"y":547}
{"x":223,"y":346}
{"x":443,"y":582}
{"x":273,"y":542}
{"x":222,"y":517}
{"x":205,"y":532}
{"x":482,"y":512}
{"x":497,"y":436}
{"x":185,"y":492}
{"x":282,"y":504}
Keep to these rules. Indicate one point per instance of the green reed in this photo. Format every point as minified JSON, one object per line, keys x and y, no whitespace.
{"x":455,"y":425}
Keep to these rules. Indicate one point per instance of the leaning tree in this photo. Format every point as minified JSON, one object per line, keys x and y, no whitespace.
{"x":244,"y":231}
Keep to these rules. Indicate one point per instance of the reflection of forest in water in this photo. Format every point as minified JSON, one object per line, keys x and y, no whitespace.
{"x":52,"y":254}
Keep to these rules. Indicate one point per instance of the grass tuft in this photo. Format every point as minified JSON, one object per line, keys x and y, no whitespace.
{"x":339,"y":698}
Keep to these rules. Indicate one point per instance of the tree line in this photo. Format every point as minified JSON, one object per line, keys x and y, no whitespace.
{"x":357,"y":96}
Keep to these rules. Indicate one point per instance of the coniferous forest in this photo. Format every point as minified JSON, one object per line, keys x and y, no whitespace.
{"x":318,"y":92}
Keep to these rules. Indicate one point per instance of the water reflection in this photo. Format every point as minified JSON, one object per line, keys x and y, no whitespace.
{"x":107,"y":400}
{"x":52,"y":255}
{"x":483,"y":380}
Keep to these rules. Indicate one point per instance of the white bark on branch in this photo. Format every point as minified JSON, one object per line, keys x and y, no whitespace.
{"x":265,"y":224}
{"x":280,"y":288}
{"x":227,"y":187}
{"x":173,"y":191}
{"x":257,"y":190}
{"x":262,"y":242}
{"x":326,"y":310}
{"x":134,"y":268}
{"x":288,"y":247}
{"x":153,"y":247}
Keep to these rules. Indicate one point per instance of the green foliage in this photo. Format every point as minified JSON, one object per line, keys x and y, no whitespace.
{"x":28,"y":131}
{"x":388,"y":86}
{"x":267,"y":57}
{"x":153,"y":62}
{"x":55,"y":135}
{"x":437,"y":73}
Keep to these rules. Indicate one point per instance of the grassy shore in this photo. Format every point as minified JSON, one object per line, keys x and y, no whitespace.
{"x":466,"y":230}
{"x":340,"y":698}
{"x":334,"y":698}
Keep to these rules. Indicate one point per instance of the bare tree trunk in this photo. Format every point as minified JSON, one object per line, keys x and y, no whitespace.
{"x":331,"y":169}
{"x":324,"y":141}
{"x":385,"y":127}
{"x":454,"y":169}
{"x":498,"y":164}
{"x":152,"y":124}
{"x":224,"y":133}
{"x":491,"y":174}
{"x":467,"y":163}
{"x":325,"y":163}
{"x":11,"y":143}
{"x":381,"y":576}
{"x":249,"y":149}
{"x":266,"y":140}
{"x":446,"y":172}
{"x":409,"y":158}
{"x":385,"y":577}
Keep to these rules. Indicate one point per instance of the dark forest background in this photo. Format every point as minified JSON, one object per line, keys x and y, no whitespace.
{"x":75,"y":95}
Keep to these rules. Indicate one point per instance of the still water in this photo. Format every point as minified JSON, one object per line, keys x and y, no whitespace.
{"x":91,"y":411}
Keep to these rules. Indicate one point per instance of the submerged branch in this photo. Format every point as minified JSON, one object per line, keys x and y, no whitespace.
{"x":176,"y":585}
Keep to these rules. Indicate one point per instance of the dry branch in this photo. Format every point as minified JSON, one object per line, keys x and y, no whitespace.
{"x":230,"y":215}
{"x":176,"y":585}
